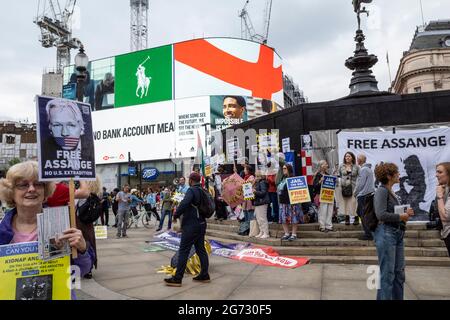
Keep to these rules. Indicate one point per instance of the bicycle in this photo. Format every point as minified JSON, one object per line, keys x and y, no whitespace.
{"x":144,"y":217}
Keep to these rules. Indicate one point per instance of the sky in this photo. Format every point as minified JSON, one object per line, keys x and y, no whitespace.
{"x":314,"y":38}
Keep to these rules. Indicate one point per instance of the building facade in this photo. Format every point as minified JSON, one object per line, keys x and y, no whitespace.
{"x":426,"y":66}
{"x":18,"y":141}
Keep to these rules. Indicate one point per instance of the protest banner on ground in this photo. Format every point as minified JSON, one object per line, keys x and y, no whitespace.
{"x":24,"y":276}
{"x":65,"y":140}
{"x":101,"y":232}
{"x":265,"y":256}
{"x":298,"y":190}
{"x":328,"y":189}
{"x":269,"y":257}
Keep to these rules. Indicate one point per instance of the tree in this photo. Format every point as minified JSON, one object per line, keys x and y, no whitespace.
{"x":13,"y":162}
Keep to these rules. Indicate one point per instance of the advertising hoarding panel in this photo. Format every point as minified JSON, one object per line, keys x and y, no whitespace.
{"x":146,"y":131}
{"x":207,"y":67}
{"x":144,"y":77}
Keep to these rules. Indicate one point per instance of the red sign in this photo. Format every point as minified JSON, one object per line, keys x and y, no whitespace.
{"x":267,"y":256}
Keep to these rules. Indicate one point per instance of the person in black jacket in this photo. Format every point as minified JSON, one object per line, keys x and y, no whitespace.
{"x":193,"y":227}
{"x":261,"y":202}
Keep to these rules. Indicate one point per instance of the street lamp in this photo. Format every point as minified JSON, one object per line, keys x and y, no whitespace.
{"x":81,"y":64}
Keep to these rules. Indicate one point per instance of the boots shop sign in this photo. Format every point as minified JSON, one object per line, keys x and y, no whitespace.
{"x":150,"y":174}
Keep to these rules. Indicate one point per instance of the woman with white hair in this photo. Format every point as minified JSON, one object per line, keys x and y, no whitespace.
{"x":23,"y":192}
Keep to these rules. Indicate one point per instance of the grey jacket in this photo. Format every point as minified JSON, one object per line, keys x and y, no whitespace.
{"x":384,"y":203}
{"x":347,"y":179}
{"x":365,"y":183}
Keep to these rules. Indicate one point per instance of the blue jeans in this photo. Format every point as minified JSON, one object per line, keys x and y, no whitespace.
{"x":164,"y":214}
{"x":391,"y":259}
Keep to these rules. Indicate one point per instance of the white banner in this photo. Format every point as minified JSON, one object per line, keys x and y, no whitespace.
{"x":415,"y":152}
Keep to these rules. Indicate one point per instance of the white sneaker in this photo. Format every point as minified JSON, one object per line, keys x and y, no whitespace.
{"x":259,"y":235}
{"x":265,"y":237}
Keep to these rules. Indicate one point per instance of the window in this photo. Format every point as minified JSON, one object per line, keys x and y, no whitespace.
{"x":10,"y":140}
{"x":417,"y":89}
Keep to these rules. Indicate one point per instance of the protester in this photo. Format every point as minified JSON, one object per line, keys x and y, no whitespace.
{"x":115,"y":205}
{"x":261,"y":203}
{"x":290,"y":214}
{"x":88,"y":228}
{"x":273,"y":211}
{"x":389,"y":234}
{"x":193,"y":226}
{"x":135,"y":201}
{"x":22,"y":191}
{"x":325,"y":209}
{"x":442,"y":200}
{"x":247,"y":206}
{"x":348,"y":173}
{"x":365,"y":185}
{"x":104,"y":218}
{"x":123,"y":212}
{"x":221,"y":206}
{"x":150,"y":204}
{"x":182,"y":187}
{"x":166,"y":210}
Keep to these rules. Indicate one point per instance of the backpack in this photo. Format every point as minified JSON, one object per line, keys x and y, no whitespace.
{"x":370,"y":218}
{"x":207,"y":206}
{"x":90,"y":210}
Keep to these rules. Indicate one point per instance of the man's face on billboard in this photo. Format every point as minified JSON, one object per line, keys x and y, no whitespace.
{"x":232,"y":110}
{"x":65,"y":128}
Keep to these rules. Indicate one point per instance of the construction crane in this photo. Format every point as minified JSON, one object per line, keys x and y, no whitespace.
{"x":55,"y":22}
{"x":139,"y":24}
{"x":247,"y":28}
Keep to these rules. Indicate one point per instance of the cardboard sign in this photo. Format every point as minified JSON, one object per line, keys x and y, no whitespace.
{"x":298,"y":190}
{"x":307,"y":144}
{"x":24,"y":276}
{"x":101,"y":232}
{"x":328,"y":189}
{"x":286,"y":143}
{"x":247,"y":189}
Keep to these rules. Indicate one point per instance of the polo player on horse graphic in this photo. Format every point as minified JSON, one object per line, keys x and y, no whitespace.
{"x":143,"y":81}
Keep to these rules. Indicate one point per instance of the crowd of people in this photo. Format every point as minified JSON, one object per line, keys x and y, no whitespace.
{"x":26,"y":196}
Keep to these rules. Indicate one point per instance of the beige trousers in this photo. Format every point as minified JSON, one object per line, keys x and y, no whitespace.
{"x":347,"y":206}
{"x":261,"y":218}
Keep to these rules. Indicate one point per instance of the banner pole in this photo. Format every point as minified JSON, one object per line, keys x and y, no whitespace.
{"x":73,"y":221}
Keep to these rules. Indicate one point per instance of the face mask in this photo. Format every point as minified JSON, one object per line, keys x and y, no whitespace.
{"x":67,"y":143}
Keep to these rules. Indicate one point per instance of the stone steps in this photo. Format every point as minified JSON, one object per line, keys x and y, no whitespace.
{"x":422,"y":247}
{"x":416,"y":234}
{"x":320,"y":242}
{"x":312,"y":226}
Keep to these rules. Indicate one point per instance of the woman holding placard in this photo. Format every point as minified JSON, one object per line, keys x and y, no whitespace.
{"x":389,"y":234}
{"x":247,"y":205}
{"x":290,"y":214}
{"x":348,"y":172}
{"x":22,"y":191}
{"x":261,"y":203}
{"x":325,"y":209}
{"x":442,"y":200}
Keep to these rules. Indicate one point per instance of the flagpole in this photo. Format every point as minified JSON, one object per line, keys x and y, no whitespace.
{"x":389,"y":67}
